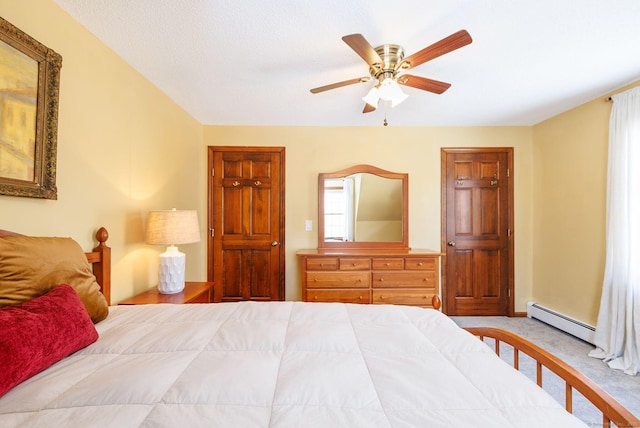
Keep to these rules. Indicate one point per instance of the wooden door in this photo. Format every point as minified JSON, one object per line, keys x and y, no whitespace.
{"x":246,"y":222}
{"x":477,"y":222}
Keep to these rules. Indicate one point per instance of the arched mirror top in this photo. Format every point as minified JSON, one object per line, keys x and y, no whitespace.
{"x":363,"y":207}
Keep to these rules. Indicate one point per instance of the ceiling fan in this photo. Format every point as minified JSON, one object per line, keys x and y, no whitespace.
{"x":387,"y":65}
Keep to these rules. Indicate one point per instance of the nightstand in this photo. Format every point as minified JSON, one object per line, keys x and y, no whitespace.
{"x":194,"y":292}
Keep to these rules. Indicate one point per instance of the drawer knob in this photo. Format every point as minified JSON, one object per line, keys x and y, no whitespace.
{"x":353,"y":264}
{"x":360,"y":297}
{"x":420,"y":264}
{"x":315,"y":297}
{"x":381,"y":279}
{"x":387,"y":264}
{"x":426,"y":280}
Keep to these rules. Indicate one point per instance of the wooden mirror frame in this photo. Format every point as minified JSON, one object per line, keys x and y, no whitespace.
{"x":399,"y":245}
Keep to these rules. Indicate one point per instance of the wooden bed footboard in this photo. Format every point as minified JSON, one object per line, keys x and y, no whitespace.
{"x":612,"y":410}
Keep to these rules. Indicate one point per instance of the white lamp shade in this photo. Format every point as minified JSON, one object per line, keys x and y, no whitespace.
{"x":390,"y":91}
{"x":400,"y":98}
{"x":372,"y":97}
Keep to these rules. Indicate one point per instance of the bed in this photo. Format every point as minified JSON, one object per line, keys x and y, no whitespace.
{"x":279,"y":364}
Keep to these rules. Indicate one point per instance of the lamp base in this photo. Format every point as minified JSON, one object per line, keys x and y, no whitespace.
{"x":171,"y":271}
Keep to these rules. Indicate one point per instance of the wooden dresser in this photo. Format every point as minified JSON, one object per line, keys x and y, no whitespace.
{"x":371,"y":276}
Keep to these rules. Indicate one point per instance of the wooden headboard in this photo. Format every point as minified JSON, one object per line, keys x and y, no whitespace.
{"x":99,"y":258}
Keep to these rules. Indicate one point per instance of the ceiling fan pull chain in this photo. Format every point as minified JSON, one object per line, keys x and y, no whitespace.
{"x":385,"y":123}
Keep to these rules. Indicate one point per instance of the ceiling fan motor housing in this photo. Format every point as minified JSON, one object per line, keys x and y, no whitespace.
{"x":391,"y":56}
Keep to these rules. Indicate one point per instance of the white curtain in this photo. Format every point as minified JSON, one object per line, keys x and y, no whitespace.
{"x":617,"y":335}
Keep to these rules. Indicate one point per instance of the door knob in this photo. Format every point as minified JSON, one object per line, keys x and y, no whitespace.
{"x":451,"y":243}
{"x":275,"y":243}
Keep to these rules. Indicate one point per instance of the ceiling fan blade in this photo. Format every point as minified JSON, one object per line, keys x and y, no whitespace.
{"x":340,"y":84}
{"x":423,"y":83}
{"x":368,"y":108}
{"x":446,"y":45}
{"x":359,"y":44}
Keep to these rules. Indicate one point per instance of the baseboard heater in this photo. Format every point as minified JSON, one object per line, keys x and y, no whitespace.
{"x":562,"y":322}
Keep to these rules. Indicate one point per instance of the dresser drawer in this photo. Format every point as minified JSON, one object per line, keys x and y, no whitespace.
{"x":388,"y":264}
{"x":355,"y":264}
{"x":401,"y":296}
{"x":344,"y":296}
{"x":420,"y":263}
{"x":338,"y":279}
{"x":404,"y":279}
{"x":322,"y":263}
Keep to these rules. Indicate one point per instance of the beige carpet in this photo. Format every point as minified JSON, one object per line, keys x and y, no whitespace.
{"x":624,"y":388}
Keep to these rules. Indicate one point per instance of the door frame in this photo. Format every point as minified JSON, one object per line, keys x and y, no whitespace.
{"x":211,"y":209}
{"x":510,"y":218}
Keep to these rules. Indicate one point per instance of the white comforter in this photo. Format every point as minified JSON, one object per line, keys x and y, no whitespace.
{"x":281,"y":364}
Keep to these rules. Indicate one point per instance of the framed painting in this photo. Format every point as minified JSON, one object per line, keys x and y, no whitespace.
{"x":29,"y":87}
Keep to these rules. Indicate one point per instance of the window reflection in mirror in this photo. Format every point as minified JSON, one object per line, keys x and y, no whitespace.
{"x":363,"y":207}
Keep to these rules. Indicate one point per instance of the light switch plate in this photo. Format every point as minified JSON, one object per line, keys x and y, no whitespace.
{"x":308,"y":225}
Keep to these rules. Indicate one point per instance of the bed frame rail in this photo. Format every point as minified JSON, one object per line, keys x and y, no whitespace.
{"x":612,"y":410}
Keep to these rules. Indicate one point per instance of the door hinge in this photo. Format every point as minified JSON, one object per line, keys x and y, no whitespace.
{"x":213,"y":172}
{"x":213,"y":232}
{"x":509,"y":292}
{"x":508,"y":173}
{"x":508,"y":232}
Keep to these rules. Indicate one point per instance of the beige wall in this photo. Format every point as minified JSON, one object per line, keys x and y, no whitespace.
{"x":123,"y":148}
{"x":570,"y":152}
{"x":416,"y":151}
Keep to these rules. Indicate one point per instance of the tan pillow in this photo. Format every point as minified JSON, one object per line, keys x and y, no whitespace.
{"x":31,"y":266}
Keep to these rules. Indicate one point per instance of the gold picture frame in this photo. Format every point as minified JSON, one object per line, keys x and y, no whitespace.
{"x":29,"y":88}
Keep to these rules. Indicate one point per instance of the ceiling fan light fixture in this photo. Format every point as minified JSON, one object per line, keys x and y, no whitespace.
{"x":391,"y":91}
{"x":373,"y":97}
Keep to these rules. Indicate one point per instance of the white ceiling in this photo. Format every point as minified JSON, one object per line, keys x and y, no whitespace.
{"x":252,"y":62}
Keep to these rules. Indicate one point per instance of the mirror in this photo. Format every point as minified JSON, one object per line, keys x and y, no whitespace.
{"x":362,"y":207}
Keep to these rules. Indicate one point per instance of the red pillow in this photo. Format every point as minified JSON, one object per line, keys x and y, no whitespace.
{"x":40,"y":332}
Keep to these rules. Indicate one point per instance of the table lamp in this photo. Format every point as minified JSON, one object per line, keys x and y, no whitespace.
{"x":171,"y":227}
